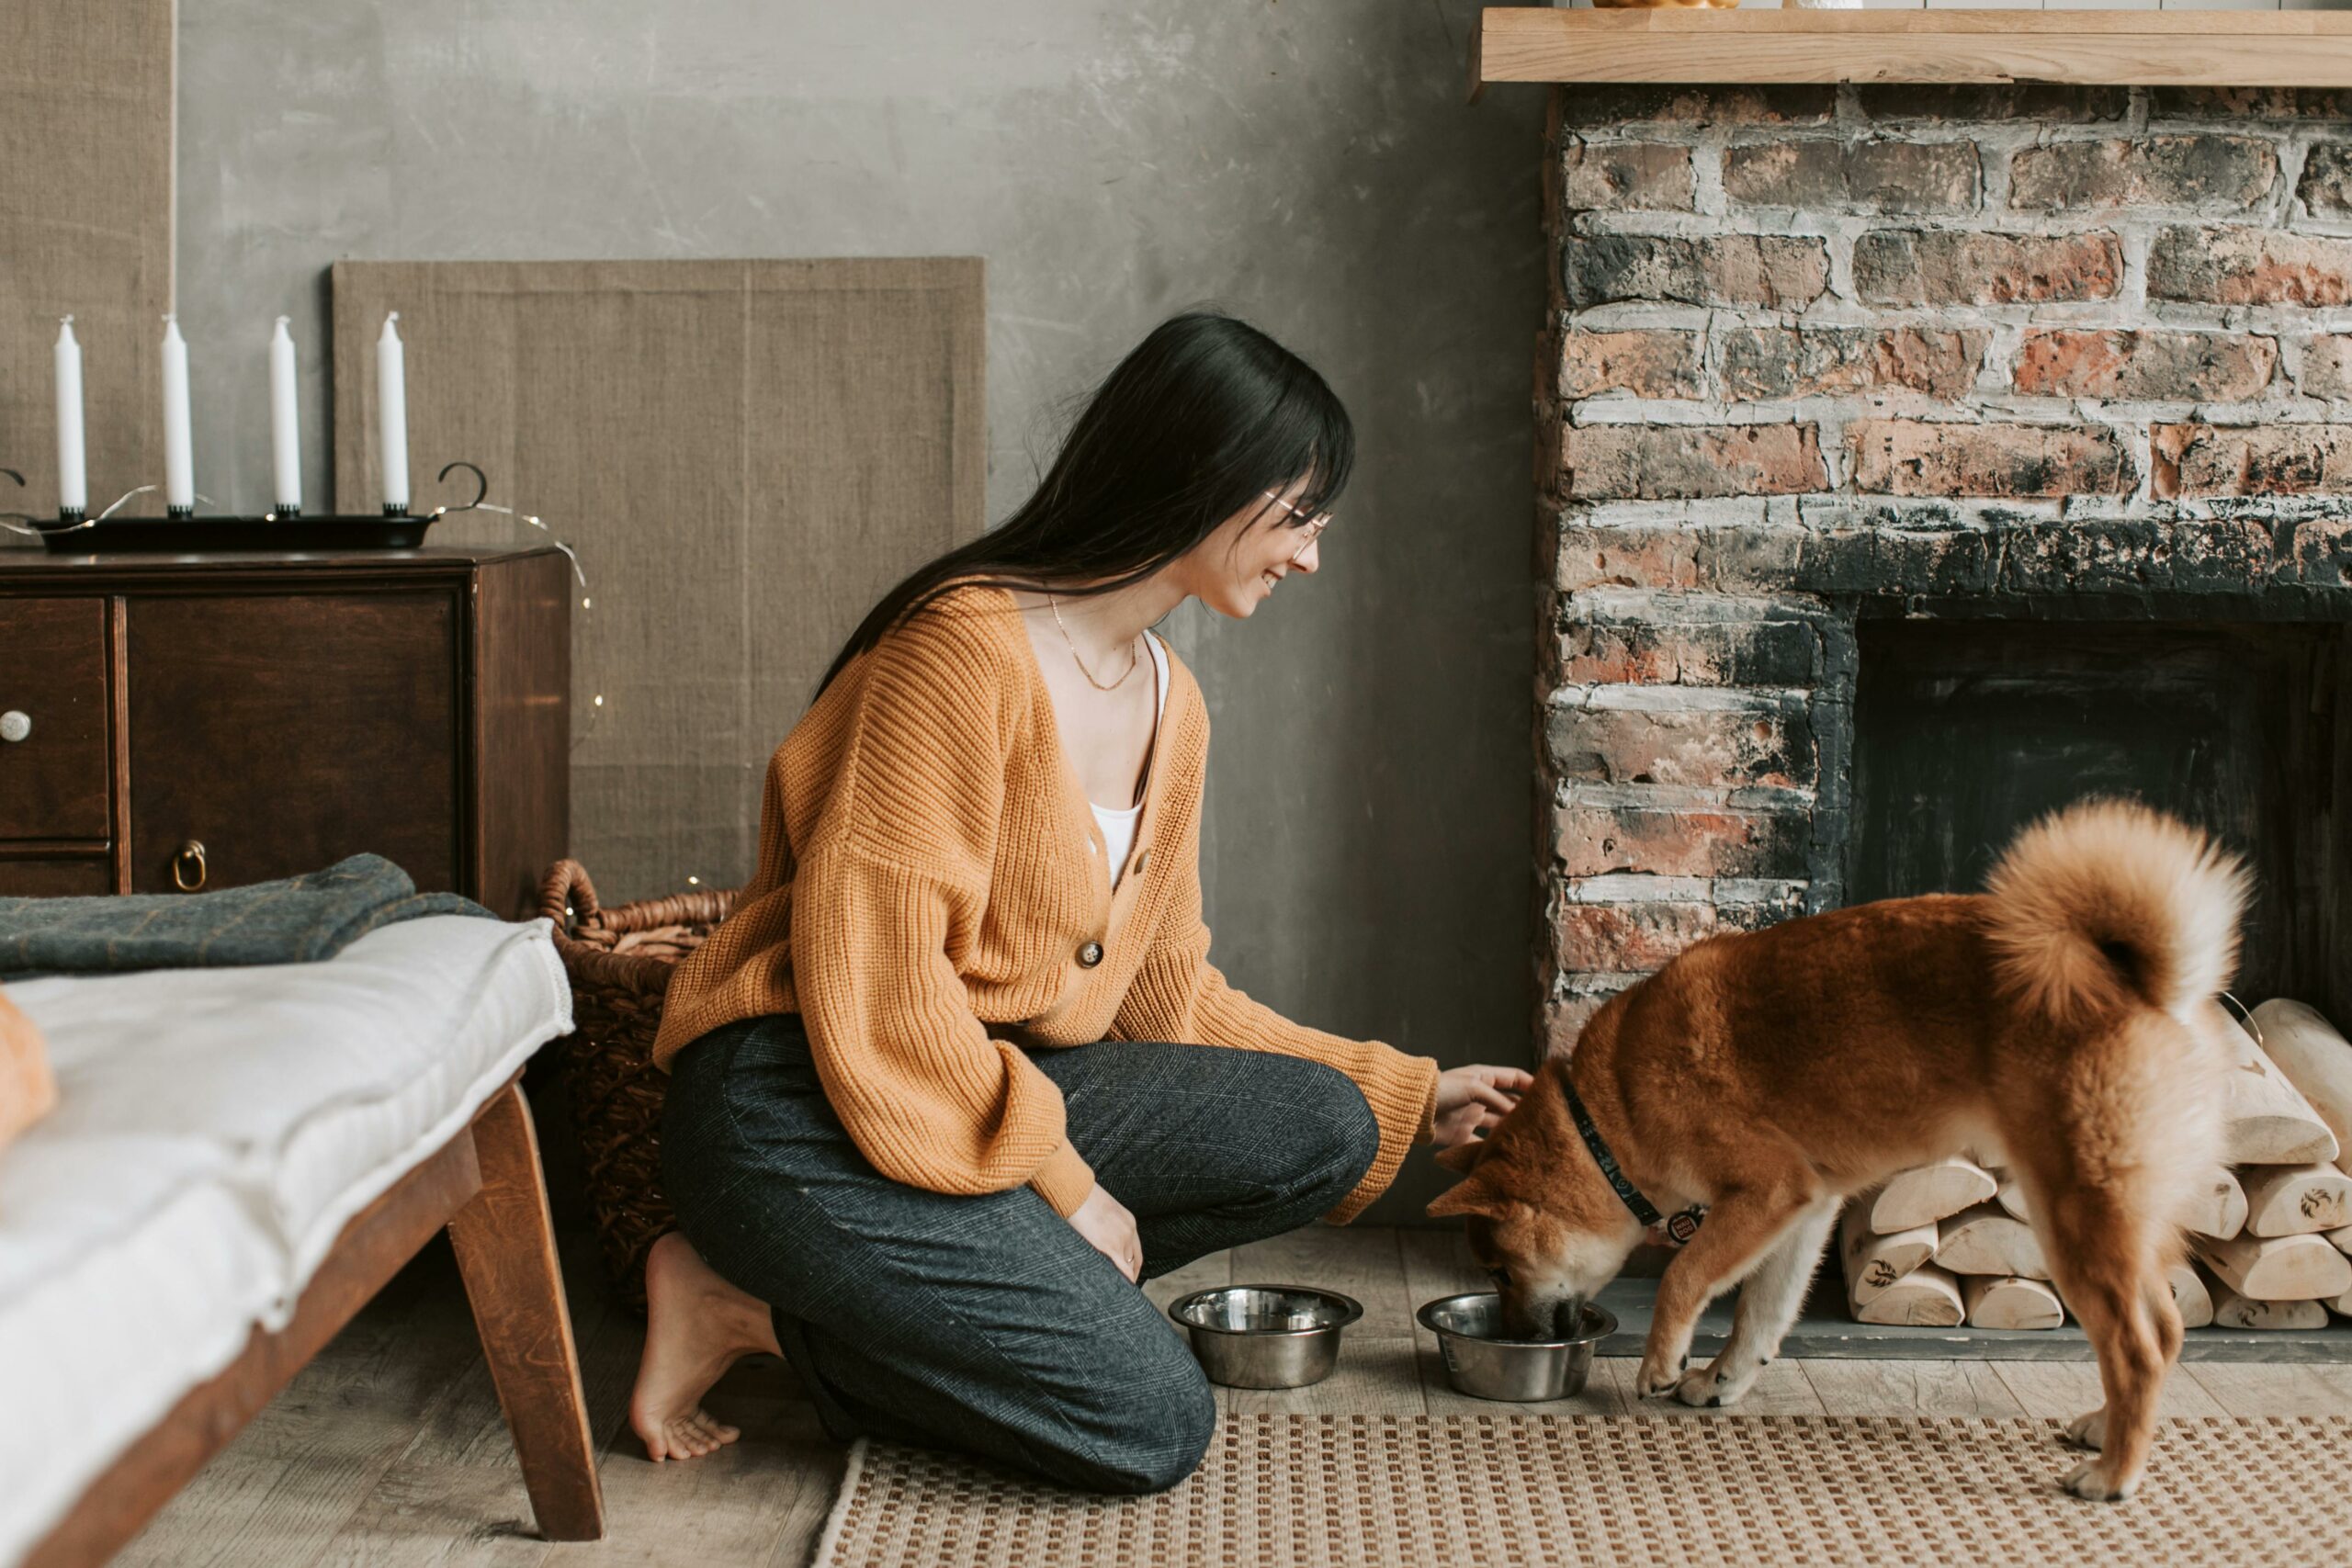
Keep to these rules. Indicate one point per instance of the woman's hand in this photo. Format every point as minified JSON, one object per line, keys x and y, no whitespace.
{"x":1471,"y":1100}
{"x":1108,"y":1228}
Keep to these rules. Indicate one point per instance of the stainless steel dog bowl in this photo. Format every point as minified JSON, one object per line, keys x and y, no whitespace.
{"x":1265,"y":1335}
{"x":1483,"y":1364}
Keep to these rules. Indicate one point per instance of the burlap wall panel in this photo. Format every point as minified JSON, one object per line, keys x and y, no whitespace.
{"x":86,"y":229}
{"x":745,"y":455}
{"x":832,"y":360}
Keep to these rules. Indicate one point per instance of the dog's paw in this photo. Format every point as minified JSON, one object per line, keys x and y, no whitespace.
{"x":1712,"y":1386}
{"x":2088,"y":1430}
{"x":2091,"y":1480}
{"x":1655,"y":1378}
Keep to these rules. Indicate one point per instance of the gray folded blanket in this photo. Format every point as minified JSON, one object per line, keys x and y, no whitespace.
{"x":314,"y":915}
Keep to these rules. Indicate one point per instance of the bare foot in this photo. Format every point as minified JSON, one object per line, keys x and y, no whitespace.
{"x":697,"y":1325}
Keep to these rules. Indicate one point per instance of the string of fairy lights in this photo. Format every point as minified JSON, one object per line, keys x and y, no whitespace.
{"x":480,"y":503}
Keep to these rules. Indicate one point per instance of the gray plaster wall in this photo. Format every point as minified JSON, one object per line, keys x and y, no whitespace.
{"x":1308,"y":164}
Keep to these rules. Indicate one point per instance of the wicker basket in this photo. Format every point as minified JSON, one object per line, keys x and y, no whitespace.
{"x":620,"y":962}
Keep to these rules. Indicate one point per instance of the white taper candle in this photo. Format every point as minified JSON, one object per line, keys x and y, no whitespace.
{"x":391,"y":416}
{"x":179,"y":461}
{"x":73,"y":472}
{"x":284,"y":424}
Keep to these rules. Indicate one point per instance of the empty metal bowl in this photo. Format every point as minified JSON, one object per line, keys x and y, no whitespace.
{"x":1265,"y":1335}
{"x":1483,"y":1364}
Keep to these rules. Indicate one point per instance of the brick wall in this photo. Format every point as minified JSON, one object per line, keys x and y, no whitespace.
{"x":1809,"y":348}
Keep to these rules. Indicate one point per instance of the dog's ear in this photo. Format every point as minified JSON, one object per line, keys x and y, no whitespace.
{"x":1464,"y":1157}
{"x":1471,"y":1195}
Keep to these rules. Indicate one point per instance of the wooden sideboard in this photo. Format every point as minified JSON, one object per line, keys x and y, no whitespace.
{"x":186,"y":721}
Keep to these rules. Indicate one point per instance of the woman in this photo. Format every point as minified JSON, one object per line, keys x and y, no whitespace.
{"x":958,"y":1074}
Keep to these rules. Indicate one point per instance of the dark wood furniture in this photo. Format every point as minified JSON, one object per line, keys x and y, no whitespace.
{"x":484,"y":1186}
{"x":204,"y":721}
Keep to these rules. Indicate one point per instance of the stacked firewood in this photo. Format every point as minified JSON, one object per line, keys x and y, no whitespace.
{"x":1950,"y":1242}
{"x":2270,"y":1248}
{"x":1944,"y":1244}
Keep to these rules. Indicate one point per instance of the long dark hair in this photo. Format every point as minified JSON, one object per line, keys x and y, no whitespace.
{"x":1198,"y":419}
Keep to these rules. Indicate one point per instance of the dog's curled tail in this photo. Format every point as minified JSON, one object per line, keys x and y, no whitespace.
{"x":2108,"y":902}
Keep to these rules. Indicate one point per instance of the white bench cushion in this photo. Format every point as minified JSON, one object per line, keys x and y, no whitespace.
{"x":215,"y":1131}
{"x":112,"y":1341}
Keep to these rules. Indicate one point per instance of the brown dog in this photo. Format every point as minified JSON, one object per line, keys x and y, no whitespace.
{"x":2063,"y":1019}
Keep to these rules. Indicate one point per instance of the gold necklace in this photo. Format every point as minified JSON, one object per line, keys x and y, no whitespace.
{"x":1082,"y":670}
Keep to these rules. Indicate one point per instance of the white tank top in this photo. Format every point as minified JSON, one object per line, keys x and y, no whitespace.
{"x":1119,"y":826}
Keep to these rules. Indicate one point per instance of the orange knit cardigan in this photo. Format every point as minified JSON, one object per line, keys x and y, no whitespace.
{"x":932,"y":893}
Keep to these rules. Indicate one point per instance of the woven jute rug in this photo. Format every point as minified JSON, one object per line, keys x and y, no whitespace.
{"x":1413,"y":1491}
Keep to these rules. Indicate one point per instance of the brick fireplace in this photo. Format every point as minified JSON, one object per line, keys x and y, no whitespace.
{"x":1913,"y":456}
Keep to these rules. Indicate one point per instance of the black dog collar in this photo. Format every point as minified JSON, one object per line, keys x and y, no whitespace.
{"x":1681,"y":1228}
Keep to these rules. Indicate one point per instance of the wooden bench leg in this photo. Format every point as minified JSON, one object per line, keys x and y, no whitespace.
{"x":505,"y":1246}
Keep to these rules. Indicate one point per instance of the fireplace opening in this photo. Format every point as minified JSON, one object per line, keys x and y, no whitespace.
{"x":1966,"y":730}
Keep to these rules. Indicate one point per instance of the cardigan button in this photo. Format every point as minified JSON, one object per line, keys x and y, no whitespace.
{"x":1090,"y":955}
{"x":1143,"y":860}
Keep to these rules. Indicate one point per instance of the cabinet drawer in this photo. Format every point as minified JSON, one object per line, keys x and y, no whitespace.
{"x":285,"y":731}
{"x":54,"y":692}
{"x":54,"y":878}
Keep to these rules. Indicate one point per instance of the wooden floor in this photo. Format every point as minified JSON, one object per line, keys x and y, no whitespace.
{"x":389,"y":1448}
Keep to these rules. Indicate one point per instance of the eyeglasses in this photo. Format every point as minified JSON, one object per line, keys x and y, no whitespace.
{"x":1312,"y":527}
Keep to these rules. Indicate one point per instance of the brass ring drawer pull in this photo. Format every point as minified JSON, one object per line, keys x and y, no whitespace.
{"x":191,"y":854}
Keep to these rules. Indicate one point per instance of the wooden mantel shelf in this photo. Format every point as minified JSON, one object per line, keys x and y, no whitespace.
{"x":2206,"y":49}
